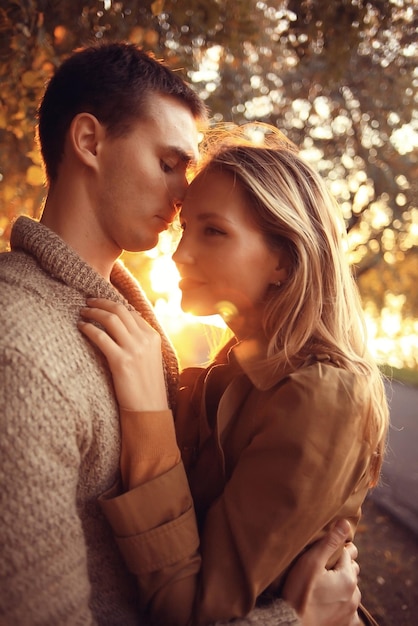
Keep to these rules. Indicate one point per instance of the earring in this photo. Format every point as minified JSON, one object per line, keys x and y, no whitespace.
{"x":279,"y":282}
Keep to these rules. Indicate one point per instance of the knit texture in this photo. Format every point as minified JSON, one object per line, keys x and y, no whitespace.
{"x":60,"y":443}
{"x":60,"y":439}
{"x":278,"y":613}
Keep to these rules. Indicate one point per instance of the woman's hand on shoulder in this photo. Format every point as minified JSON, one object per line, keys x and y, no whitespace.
{"x":133,"y":351}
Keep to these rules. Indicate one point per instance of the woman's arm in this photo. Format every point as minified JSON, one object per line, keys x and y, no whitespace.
{"x":133,"y":350}
{"x":172,"y":587}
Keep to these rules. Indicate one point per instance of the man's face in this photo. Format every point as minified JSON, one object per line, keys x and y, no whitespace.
{"x":142,"y":176}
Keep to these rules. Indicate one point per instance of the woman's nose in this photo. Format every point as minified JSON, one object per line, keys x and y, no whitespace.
{"x":182,"y":254}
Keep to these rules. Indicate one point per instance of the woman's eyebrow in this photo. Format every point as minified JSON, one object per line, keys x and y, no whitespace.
{"x":210,"y":215}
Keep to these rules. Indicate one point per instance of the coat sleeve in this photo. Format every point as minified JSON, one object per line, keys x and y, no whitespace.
{"x":303,"y":457}
{"x":304,"y":464}
{"x":43,"y":565}
{"x":148,"y":446}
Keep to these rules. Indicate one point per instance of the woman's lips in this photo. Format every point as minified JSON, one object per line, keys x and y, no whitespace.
{"x":190,"y":283}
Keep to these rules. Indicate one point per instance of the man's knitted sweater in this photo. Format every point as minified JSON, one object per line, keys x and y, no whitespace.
{"x":60,"y":442}
{"x":59,"y":439}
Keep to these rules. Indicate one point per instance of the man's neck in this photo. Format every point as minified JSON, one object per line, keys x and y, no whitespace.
{"x":82,"y":238}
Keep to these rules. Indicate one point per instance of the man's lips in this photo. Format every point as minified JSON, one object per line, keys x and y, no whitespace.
{"x":168,"y":218}
{"x":165,"y":221}
{"x":190,"y":283}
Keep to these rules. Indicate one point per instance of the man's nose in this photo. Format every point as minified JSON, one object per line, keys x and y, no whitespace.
{"x":180,"y":191}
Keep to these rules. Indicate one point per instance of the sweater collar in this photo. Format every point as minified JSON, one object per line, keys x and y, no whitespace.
{"x":61,"y":262}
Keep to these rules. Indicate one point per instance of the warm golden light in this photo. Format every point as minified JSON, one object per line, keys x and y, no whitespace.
{"x":227,"y":310}
{"x":193,"y":337}
{"x":393,"y":339}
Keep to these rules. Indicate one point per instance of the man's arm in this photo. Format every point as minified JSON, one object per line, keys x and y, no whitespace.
{"x":43,"y":564}
{"x":326,"y":597}
{"x":313,"y":595}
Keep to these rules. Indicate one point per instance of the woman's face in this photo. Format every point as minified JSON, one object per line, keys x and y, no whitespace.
{"x":224,"y":261}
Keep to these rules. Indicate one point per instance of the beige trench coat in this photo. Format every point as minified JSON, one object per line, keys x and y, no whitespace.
{"x":271,"y":464}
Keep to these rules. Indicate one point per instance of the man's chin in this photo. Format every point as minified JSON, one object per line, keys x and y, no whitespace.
{"x":143,"y":245}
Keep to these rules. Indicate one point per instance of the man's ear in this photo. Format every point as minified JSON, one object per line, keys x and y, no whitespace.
{"x":86,"y":133}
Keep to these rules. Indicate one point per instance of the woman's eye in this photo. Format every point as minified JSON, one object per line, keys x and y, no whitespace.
{"x":211,"y":231}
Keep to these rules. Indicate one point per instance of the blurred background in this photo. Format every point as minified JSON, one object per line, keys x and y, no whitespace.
{"x":340,"y":79}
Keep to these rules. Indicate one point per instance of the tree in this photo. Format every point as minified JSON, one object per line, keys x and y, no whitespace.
{"x":338,"y":77}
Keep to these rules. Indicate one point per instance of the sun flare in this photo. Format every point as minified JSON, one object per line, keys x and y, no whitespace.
{"x":193,"y":337}
{"x":393,"y":340}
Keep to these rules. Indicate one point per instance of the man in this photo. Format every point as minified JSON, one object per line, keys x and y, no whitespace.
{"x":117,"y":131}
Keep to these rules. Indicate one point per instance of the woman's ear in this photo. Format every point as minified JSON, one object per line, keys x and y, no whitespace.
{"x":280,"y":276}
{"x":85,"y":135}
{"x":282,"y":269}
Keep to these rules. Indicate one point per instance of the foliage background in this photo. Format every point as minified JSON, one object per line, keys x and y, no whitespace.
{"x":339,"y":78}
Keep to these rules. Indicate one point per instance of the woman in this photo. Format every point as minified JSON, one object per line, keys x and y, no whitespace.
{"x":284,"y":432}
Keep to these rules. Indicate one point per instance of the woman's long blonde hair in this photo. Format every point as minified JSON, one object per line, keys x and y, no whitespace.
{"x":317,"y":309}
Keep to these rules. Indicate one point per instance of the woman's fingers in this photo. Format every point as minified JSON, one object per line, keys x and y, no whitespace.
{"x":111,"y":314}
{"x":120,"y":323}
{"x":133,"y":350}
{"x":100,"y":338}
{"x":122,"y":335}
{"x":131,"y":318}
{"x":111,"y":324}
